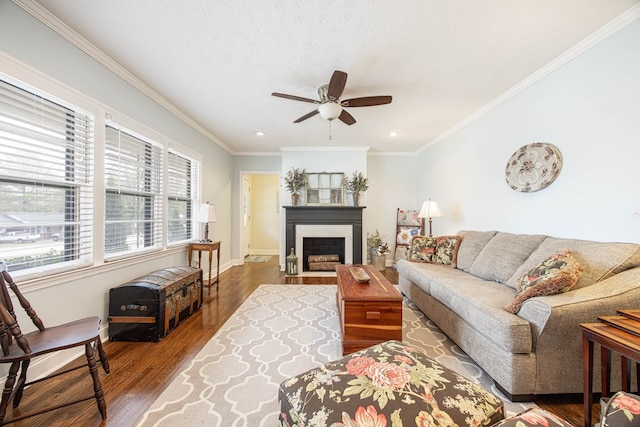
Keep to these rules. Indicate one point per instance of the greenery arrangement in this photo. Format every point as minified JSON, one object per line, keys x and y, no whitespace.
{"x":295,"y":180}
{"x":383,"y":249}
{"x":357,"y":184}
{"x":374,"y":241}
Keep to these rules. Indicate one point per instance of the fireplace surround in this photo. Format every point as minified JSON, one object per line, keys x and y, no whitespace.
{"x":325,"y":221}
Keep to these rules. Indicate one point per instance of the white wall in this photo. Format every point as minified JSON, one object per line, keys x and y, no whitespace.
{"x":391,"y":187}
{"x":42,"y":55}
{"x":320,"y":159}
{"x":590,"y":109}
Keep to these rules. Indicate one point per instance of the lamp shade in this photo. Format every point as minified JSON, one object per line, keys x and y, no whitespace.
{"x":330,"y":110}
{"x":430,"y":209}
{"x":207,"y":213}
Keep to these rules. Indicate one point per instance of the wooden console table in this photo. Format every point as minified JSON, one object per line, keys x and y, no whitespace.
{"x":619,"y":334}
{"x":207,"y":247}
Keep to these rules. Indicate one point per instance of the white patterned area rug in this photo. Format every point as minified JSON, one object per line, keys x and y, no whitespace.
{"x":278,"y":332}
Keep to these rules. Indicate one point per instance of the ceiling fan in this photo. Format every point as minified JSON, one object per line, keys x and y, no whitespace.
{"x":330,"y":106}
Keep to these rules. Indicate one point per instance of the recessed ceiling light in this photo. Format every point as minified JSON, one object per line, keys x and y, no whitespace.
{"x":259,"y":133}
{"x":393,"y":133}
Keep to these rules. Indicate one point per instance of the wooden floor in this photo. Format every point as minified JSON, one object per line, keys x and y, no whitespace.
{"x":141,"y":371}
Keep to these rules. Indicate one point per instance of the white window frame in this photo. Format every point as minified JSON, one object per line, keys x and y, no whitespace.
{"x":137,"y":168}
{"x":46,"y":160}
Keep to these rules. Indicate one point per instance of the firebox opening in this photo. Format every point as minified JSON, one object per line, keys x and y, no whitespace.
{"x":322,"y":246}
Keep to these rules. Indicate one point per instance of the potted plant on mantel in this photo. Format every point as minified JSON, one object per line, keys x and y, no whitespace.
{"x":294,"y":181}
{"x":356,"y":185}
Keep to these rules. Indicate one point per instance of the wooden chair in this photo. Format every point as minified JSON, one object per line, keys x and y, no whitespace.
{"x":19,"y":349}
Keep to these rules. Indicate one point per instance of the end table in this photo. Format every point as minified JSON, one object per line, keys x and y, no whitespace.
{"x":207,"y":247}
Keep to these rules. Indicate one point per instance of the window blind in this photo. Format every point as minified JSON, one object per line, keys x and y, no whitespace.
{"x":182,"y":189}
{"x":46,"y":180}
{"x":133,"y":200}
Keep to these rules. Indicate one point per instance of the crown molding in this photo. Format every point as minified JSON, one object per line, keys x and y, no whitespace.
{"x":47,"y":18}
{"x":320,"y":148}
{"x":603,"y":33}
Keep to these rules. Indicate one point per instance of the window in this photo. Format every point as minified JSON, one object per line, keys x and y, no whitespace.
{"x":133,"y":200}
{"x":182,"y":185}
{"x":325,"y":188}
{"x":46,"y":181}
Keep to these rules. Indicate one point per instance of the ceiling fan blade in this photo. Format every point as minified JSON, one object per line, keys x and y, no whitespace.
{"x":295,"y":98}
{"x":306,"y":116}
{"x":337,"y":84}
{"x":347,"y":118}
{"x":367,"y":101}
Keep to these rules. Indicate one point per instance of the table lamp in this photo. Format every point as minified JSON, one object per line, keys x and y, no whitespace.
{"x":429,"y":210}
{"x":206,"y":214}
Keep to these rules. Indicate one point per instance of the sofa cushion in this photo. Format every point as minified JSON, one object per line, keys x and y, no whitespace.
{"x":558,"y":273}
{"x":600,"y":260}
{"x":447,"y":250}
{"x":423,"y":249}
{"x":480,"y":304}
{"x":421,"y":273}
{"x":503,"y":255}
{"x":472,"y":244}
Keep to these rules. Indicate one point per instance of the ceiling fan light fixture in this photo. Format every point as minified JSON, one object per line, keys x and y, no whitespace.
{"x":330,"y":110}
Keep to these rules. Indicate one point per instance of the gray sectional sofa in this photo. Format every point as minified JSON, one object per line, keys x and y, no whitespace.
{"x":538,"y":350}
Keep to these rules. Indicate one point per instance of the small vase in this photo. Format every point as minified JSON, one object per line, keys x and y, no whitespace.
{"x":295,"y":197}
{"x":356,"y":199}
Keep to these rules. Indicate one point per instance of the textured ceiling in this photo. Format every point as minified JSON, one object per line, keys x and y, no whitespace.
{"x":441,"y":60}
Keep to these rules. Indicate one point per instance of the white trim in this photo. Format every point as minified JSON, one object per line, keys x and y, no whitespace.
{"x":323,"y":230}
{"x":47,"y":18}
{"x":321,"y":148}
{"x":602,"y":34}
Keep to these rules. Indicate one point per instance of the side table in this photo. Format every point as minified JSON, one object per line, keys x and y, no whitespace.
{"x":610,"y":338}
{"x":207,"y":247}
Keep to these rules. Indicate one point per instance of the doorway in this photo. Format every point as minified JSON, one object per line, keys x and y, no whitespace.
{"x":259,"y":214}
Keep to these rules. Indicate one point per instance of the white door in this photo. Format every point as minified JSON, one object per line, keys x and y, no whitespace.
{"x":245,"y":239}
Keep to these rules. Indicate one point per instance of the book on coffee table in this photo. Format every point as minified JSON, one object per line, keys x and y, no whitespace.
{"x":623,"y":322}
{"x":632,"y":314}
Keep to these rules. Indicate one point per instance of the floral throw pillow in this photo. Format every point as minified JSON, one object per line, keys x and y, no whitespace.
{"x":556,"y":274}
{"x":422,"y":249}
{"x":447,"y":250}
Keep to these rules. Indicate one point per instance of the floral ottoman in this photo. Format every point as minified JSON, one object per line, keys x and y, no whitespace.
{"x":386,"y":384}
{"x":534,"y":417}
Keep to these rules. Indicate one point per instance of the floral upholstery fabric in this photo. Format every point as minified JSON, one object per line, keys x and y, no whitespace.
{"x":556,"y":274}
{"x":447,"y":250}
{"x":534,"y":417}
{"x":437,"y":250}
{"x":389,"y":384}
{"x":405,"y":234}
{"x":622,"y":410}
{"x":423,"y":249}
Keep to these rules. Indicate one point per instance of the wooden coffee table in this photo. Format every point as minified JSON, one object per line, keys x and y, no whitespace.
{"x":370,"y":313}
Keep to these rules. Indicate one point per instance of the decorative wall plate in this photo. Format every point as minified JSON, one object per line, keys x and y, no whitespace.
{"x":533,"y":167}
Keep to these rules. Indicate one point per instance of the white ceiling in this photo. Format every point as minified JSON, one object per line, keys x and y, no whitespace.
{"x":442,"y":60}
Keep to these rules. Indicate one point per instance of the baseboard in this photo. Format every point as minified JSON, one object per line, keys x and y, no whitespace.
{"x":515,"y":397}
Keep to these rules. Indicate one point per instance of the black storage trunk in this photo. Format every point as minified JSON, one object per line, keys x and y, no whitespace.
{"x":149,"y":307}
